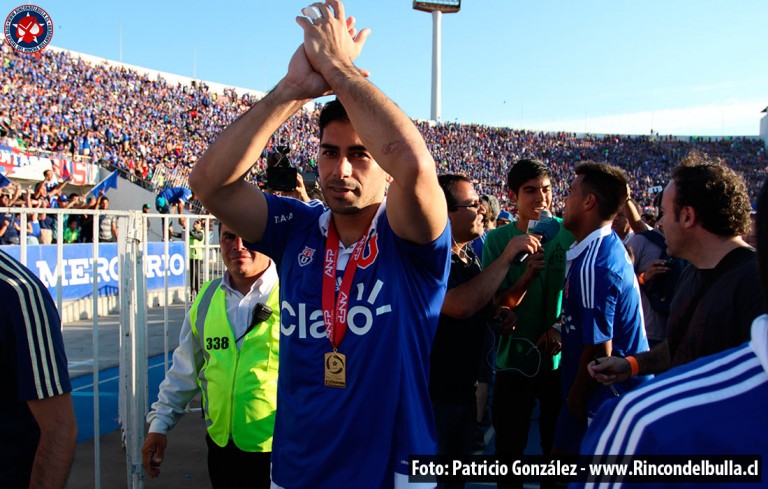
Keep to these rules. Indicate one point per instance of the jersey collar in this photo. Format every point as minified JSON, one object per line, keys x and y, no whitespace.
{"x":578,"y":247}
{"x":325,"y":218}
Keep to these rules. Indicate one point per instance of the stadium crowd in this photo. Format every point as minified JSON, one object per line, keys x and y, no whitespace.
{"x":563,"y":306}
{"x":155,"y":131}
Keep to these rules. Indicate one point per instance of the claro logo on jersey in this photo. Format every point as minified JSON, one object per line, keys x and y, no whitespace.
{"x":297,"y":321}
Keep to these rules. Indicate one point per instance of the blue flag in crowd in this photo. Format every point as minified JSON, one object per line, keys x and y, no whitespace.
{"x":4,"y":181}
{"x":106,"y":184}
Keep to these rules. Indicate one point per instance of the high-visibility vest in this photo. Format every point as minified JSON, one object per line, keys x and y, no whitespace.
{"x":195,"y":248}
{"x":239,"y":387}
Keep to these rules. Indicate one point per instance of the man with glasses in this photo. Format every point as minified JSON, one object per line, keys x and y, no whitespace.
{"x":464,"y":318}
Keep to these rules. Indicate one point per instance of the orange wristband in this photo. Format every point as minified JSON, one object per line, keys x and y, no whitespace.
{"x":633,"y":366}
{"x":641,"y":278}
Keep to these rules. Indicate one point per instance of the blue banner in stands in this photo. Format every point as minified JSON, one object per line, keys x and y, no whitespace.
{"x":78,"y":257}
{"x":106,"y":184}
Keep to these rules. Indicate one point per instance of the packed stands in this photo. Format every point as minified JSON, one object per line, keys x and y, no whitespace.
{"x":154,"y":131}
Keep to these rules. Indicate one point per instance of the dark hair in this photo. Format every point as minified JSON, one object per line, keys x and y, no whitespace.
{"x":762,"y":237}
{"x":716,"y":193}
{"x":523,"y":170}
{"x":607,"y":183}
{"x":332,"y":111}
{"x":448,"y":183}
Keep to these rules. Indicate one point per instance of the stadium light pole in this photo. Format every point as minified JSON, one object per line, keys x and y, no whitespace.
{"x":437,"y":8}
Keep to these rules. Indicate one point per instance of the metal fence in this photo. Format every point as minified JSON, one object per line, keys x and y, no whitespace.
{"x":135,"y":266}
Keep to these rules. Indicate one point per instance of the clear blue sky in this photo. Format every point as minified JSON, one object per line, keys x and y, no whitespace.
{"x":677,"y":66}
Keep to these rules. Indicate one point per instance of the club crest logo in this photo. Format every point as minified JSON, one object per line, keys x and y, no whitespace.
{"x":28,"y":29}
{"x":373,"y":251}
{"x":306,"y":256}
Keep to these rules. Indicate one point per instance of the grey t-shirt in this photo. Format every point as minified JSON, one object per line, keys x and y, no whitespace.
{"x":646,"y":252}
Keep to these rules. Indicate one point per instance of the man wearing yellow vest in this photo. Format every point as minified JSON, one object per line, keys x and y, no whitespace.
{"x":228,"y":350}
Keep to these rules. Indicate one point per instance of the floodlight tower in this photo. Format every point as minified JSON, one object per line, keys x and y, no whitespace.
{"x":437,"y":7}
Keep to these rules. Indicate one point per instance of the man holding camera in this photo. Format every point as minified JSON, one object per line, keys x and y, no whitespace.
{"x":354,"y":364}
{"x":228,"y":350}
{"x":283,"y":178}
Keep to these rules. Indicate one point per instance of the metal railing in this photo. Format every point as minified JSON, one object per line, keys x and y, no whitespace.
{"x":135,"y":264}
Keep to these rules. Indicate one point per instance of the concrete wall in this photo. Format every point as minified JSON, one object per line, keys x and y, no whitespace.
{"x":764,"y":129}
{"x":82,"y":309}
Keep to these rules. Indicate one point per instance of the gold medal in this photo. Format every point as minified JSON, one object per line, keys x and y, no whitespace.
{"x":335,"y":370}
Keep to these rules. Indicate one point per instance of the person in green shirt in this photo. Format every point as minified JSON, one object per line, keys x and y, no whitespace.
{"x":72,"y":233}
{"x":528,"y":359}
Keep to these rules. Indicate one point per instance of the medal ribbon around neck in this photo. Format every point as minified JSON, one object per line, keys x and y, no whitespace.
{"x":335,"y":307}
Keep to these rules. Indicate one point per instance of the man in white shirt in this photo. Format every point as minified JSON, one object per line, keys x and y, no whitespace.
{"x":228,"y":350}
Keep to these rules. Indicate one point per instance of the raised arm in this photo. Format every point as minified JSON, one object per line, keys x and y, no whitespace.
{"x":512,"y":297}
{"x":415,"y":205}
{"x":217,"y":177}
{"x":634,"y":218}
{"x":468,"y":298}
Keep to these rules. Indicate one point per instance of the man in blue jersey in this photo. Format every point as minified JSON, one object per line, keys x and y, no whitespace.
{"x":173,"y":197}
{"x":362,"y":282}
{"x":9,"y":234}
{"x":38,"y":431}
{"x":715,"y":405}
{"x":602,"y":311}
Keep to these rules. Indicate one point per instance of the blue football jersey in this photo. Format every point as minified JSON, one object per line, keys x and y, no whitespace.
{"x":357,"y":436}
{"x":601,"y":302}
{"x":712,"y":406}
{"x":176,"y":194}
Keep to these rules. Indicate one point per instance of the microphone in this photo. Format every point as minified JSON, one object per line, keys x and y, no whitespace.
{"x":261,"y":313}
{"x":546,"y":227}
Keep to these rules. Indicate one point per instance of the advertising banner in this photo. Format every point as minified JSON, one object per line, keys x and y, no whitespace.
{"x":78,"y":258}
{"x":27,"y":166}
